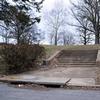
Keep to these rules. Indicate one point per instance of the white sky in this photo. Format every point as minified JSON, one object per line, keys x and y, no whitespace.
{"x":48,"y":5}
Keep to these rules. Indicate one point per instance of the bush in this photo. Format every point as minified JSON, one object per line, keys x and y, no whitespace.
{"x":20,"y":58}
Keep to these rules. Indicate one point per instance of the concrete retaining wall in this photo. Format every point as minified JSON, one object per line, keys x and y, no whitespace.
{"x":98,"y":65}
{"x":51,"y":59}
{"x":98,"y":58}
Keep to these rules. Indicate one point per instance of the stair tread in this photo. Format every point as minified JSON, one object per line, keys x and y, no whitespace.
{"x":76,"y":63}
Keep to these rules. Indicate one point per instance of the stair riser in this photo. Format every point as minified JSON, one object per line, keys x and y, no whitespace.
{"x":79,"y":57}
{"x":76,"y":62}
{"x":77,"y":66}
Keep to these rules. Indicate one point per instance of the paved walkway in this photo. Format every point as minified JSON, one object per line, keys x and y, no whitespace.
{"x":60,"y":76}
{"x":71,"y":72}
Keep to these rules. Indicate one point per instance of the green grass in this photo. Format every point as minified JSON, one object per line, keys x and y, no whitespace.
{"x":52,"y":49}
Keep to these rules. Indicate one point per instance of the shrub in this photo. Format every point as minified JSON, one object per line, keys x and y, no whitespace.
{"x":20,"y":58}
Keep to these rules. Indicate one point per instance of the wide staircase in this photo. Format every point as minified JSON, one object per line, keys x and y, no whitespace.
{"x":76,"y":58}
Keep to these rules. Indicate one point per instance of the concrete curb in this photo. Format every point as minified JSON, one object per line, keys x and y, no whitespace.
{"x":25,"y":81}
{"x":77,"y":87}
{"x":63,"y":85}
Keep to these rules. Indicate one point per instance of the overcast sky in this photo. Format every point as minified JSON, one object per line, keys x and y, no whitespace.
{"x":48,"y":5}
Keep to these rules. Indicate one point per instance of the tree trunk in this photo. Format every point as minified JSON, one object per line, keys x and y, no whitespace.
{"x":56,"y":39}
{"x":85,"y":37}
{"x":97,"y":38}
{"x":85,"y":42}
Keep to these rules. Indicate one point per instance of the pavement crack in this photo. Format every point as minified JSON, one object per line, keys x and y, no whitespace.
{"x":66,"y":83}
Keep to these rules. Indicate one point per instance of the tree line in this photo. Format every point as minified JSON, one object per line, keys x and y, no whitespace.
{"x":86,"y":14}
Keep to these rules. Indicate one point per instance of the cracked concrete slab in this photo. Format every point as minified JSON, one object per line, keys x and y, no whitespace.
{"x":82,"y":81}
{"x":78,"y":76}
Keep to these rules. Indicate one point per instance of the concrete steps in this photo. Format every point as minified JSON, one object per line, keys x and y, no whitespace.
{"x":85,"y":60}
{"x":76,"y":66}
{"x":76,"y":63}
{"x":74,"y":58}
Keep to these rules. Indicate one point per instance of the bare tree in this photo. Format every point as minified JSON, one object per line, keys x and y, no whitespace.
{"x":51,"y":36}
{"x":86,"y":36}
{"x":88,"y":10}
{"x":67,"y":38}
{"x":55,"y":20}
